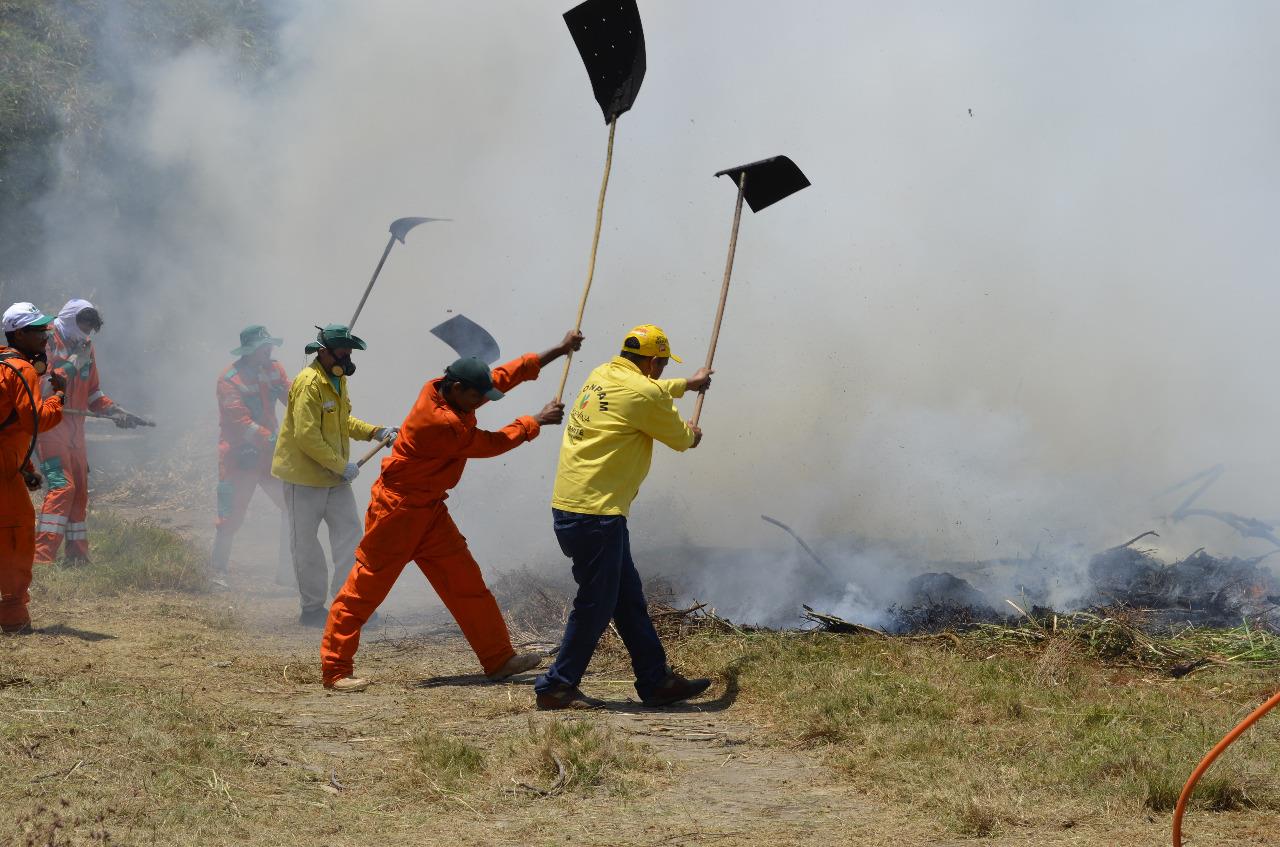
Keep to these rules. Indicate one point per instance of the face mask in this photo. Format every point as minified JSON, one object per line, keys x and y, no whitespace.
{"x":343,"y":367}
{"x":40,"y":362}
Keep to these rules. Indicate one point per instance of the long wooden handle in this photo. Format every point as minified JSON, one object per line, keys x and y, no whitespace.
{"x":724,"y":289}
{"x":595,"y":243}
{"x":390,"y":242}
{"x":377,"y":448}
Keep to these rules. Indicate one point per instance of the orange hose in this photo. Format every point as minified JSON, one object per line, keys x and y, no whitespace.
{"x":1208,"y":760}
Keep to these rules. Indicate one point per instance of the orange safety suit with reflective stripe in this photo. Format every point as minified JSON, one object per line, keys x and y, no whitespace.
{"x":64,"y":459}
{"x":18,"y":423}
{"x":247,"y":423}
{"x":408,"y":520}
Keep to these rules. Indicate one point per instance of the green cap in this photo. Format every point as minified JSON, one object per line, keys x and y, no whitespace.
{"x":253,"y":337}
{"x":474,"y":373}
{"x":335,"y":337}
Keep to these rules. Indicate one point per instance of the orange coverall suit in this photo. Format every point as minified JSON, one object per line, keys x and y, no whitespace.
{"x":64,"y":461}
{"x":408,"y":520}
{"x":17,"y":517}
{"x":247,"y":431}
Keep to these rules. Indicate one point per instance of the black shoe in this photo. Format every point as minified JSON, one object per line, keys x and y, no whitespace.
{"x":566,"y":697}
{"x":314,"y":617}
{"x":675,"y":688}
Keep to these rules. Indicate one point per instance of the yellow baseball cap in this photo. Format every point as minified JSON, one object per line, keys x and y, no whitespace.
{"x":649,"y":340}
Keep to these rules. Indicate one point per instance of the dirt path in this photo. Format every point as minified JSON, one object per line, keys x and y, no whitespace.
{"x":722,"y":784}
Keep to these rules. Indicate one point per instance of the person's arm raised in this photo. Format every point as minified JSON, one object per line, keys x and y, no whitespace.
{"x":572,"y":341}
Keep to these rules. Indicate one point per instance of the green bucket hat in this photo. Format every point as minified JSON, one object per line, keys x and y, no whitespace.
{"x":253,"y":337}
{"x":335,"y":337}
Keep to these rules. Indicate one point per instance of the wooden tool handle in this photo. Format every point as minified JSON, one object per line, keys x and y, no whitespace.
{"x":724,"y":290}
{"x":360,"y":307}
{"x":591,"y":264}
{"x":377,"y":448}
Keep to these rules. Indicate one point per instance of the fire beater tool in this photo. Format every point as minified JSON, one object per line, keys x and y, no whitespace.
{"x":467,"y":338}
{"x":611,"y":42}
{"x":138,"y":419}
{"x":761,"y":184}
{"x":399,"y":229}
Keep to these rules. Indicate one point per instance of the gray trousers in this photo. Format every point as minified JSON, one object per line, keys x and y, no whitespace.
{"x":307,"y":506}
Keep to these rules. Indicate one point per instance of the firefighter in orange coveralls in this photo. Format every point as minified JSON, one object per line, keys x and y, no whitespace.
{"x":21,"y":362}
{"x":64,"y":461}
{"x":247,"y":395}
{"x":407,"y":518}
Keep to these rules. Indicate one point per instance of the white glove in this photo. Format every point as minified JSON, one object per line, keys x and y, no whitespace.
{"x":352,"y":471}
{"x":386,"y":433}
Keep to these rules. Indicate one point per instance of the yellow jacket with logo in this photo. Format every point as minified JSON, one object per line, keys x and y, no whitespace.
{"x":313,"y":446}
{"x":608,"y":442}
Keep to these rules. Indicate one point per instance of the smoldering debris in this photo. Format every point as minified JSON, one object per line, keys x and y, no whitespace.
{"x":1200,"y":590}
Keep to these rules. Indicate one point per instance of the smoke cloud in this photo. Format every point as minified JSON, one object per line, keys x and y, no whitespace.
{"x":1028,"y":290}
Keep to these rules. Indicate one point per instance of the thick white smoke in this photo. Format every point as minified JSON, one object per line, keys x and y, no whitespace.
{"x":1029,"y":288}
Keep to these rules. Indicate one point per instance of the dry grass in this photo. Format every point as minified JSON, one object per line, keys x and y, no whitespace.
{"x":579,"y":755}
{"x":127,"y":556}
{"x":995,"y":740}
{"x":183,"y":478}
{"x":191,"y":728}
{"x":189,"y":746}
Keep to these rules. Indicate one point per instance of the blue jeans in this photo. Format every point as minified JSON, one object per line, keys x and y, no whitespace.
{"x":608,"y":588}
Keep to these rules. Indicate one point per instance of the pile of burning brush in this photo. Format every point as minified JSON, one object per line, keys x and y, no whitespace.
{"x":1176,"y":617}
{"x":1199,"y":590}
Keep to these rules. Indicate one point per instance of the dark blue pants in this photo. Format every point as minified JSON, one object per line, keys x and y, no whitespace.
{"x":608,"y":588}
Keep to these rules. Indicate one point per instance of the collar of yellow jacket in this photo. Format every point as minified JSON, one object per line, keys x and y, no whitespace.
{"x":627,"y":363}
{"x":326,"y":378}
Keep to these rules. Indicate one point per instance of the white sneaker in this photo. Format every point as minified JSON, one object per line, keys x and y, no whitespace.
{"x":519,"y":663}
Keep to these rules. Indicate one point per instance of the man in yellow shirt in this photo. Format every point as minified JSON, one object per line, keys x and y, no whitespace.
{"x":313,"y":459}
{"x":604,"y":457}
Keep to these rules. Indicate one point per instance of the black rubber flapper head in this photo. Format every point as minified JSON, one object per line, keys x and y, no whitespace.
{"x":468,"y":339}
{"x":611,"y":42}
{"x":768,"y":181}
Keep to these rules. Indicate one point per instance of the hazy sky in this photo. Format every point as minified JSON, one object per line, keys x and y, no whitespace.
{"x":1032,"y":284}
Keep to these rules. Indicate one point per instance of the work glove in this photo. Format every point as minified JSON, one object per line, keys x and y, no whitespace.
{"x":352,"y":471}
{"x":387,"y":434}
{"x":32,"y":479}
{"x":121,"y":418}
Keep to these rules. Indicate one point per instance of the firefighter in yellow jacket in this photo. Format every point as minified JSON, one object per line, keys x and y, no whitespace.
{"x":313,"y":459}
{"x":622,"y":409}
